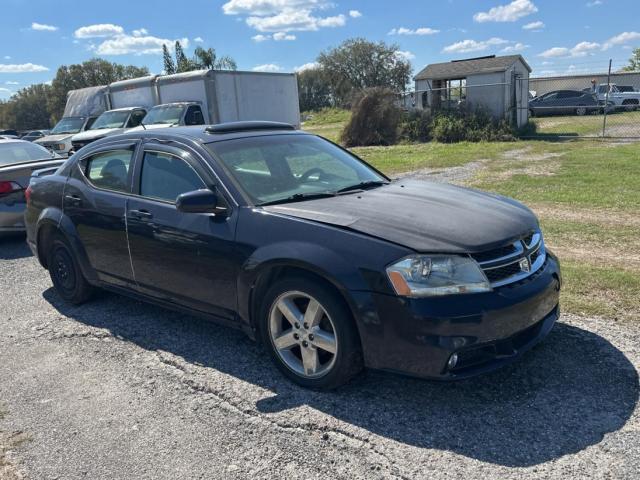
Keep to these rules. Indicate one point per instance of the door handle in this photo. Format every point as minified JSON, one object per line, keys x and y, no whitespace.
{"x":141,"y":214}
{"x":73,"y":199}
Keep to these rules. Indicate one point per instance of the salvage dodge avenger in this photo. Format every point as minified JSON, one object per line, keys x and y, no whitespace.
{"x":302,"y":245}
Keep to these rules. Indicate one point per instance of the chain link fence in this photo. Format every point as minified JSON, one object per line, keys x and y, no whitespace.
{"x":589,"y":105}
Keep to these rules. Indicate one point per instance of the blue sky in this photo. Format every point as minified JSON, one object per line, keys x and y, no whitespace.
{"x":556,"y":37}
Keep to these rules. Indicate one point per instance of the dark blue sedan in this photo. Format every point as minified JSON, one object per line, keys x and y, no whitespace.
{"x":302,"y":245}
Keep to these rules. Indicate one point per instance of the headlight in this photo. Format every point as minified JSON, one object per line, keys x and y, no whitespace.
{"x":59,"y":146}
{"x":433,"y":275}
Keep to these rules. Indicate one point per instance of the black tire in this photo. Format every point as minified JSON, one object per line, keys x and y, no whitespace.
{"x":532,"y":113}
{"x":348,"y":360}
{"x":65,"y":272}
{"x":581,"y":110}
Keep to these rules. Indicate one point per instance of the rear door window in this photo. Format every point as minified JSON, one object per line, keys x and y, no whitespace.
{"x":110,"y":170}
{"x":165,"y":177}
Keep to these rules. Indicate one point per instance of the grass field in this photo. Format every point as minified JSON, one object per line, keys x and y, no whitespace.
{"x":585,"y":192}
{"x":619,"y":124}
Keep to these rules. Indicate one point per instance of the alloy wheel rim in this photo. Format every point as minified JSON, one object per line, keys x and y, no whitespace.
{"x":303,"y":334}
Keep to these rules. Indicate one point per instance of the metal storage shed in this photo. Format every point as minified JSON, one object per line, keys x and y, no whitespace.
{"x":500,"y":84}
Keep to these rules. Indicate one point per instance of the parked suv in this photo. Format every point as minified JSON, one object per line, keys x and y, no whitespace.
{"x":302,"y":245}
{"x":564,"y":102}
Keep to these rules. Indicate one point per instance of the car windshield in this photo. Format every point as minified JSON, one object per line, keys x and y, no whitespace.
{"x":68,"y":125}
{"x":19,"y":152}
{"x":164,"y":114}
{"x":283,"y":168}
{"x":110,"y":120}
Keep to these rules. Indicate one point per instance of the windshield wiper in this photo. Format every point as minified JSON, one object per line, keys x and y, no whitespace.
{"x":298,"y":197}
{"x":363,"y":185}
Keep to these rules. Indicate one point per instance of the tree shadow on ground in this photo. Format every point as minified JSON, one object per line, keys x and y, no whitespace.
{"x":562,"y":397}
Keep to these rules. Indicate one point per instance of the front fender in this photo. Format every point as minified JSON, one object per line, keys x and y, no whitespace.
{"x":314,"y":258}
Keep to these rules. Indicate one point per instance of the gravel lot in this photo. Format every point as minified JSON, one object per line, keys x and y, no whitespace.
{"x":120,"y":389}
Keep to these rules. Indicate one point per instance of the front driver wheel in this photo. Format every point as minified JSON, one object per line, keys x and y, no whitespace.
{"x":310,"y":334}
{"x":580,"y":111}
{"x":65,"y":273}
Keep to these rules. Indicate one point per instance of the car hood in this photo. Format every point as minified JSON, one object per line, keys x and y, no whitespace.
{"x":95,"y":134}
{"x":423,"y":216}
{"x":54,"y":138}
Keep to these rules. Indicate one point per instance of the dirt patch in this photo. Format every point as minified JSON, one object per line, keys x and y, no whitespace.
{"x":575,"y":214}
{"x":446,"y":175}
{"x":9,"y":442}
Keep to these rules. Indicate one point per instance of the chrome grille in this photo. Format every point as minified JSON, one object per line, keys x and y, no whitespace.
{"x":513,"y":262}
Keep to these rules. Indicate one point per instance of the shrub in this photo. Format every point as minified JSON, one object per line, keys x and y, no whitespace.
{"x":374,"y":119}
{"x":469,"y":125}
{"x":416,"y":126}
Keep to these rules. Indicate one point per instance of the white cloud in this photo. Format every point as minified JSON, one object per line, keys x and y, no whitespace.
{"x":507,"y":13}
{"x":555,"y":52}
{"x":582,"y":49}
{"x":99,"y":31}
{"x":285,"y":15}
{"x":269,"y":7}
{"x":355,"y":13}
{"x":516,"y":47}
{"x":595,"y":3}
{"x":621,"y":39}
{"x":8,"y":82}
{"x":7,"y":57}
{"x":117,"y":42}
{"x":306,"y":66}
{"x":282,"y":36}
{"x":535,"y":26}
{"x":278,"y":37}
{"x":6,"y":90}
{"x":22,"y":68}
{"x":267,"y":67}
{"x":198,"y":39}
{"x":417,"y":31}
{"x":290,"y":20}
{"x":405,"y":55}
{"x":43,"y":27}
{"x":466,"y":46}
{"x":128,"y":44}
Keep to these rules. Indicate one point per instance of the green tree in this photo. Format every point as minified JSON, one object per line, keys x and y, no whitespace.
{"x":28,"y":107}
{"x":314,"y":91}
{"x":169,"y":66}
{"x":183,"y":64}
{"x":203,"y":59}
{"x":91,"y":73}
{"x":357,"y":64}
{"x":634,"y":61}
{"x":208,"y":59}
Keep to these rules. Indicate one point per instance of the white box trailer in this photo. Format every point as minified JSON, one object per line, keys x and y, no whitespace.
{"x":137,"y":92}
{"x":231,"y":96}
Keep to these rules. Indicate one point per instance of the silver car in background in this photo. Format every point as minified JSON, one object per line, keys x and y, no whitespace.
{"x":18,"y":160}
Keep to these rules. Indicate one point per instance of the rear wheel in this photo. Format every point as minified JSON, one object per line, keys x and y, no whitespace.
{"x":580,"y":111}
{"x":65,"y":273}
{"x":310,"y":334}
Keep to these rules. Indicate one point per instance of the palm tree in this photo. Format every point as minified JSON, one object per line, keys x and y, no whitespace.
{"x":209,"y":60}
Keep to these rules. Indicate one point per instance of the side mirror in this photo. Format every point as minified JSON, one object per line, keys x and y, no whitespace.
{"x":200,"y":201}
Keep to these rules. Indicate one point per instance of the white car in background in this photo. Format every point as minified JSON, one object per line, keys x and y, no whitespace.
{"x":111,"y":122}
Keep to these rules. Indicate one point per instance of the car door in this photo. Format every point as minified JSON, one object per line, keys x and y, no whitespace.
{"x":185,"y":258}
{"x":95,"y":198}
